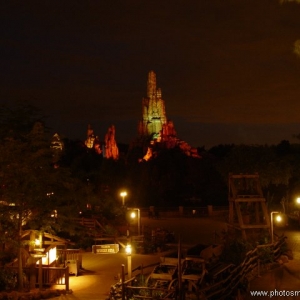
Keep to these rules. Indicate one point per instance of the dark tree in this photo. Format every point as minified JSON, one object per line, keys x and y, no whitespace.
{"x":31,"y":188}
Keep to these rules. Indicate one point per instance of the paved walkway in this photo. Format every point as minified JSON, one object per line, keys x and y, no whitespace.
{"x":100,"y":272}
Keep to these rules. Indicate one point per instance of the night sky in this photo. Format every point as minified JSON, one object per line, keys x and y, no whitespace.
{"x":229,"y":70}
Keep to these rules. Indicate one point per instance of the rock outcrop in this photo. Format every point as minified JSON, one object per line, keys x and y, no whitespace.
{"x":92,"y":141}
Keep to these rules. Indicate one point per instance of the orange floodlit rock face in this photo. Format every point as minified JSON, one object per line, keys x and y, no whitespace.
{"x":155,"y":125}
{"x":110,"y":145}
{"x":111,"y":148}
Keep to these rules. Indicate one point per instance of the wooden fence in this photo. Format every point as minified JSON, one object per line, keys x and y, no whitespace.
{"x":55,"y":275}
{"x":249,"y":268}
{"x":93,"y":226}
{"x":50,"y":276}
{"x":70,"y":254}
{"x":184,"y":211}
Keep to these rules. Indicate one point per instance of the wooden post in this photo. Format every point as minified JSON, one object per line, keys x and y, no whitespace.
{"x":210,"y":210}
{"x":32,"y":262}
{"x":67,"y":279}
{"x":153,"y":235}
{"x":180,"y":211}
{"x":257,"y":219}
{"x":40,"y":262}
{"x":123,"y":280}
{"x":129,"y":267}
{"x":32,"y":273}
{"x":180,"y":292}
{"x":65,"y":254}
{"x":40,"y":274}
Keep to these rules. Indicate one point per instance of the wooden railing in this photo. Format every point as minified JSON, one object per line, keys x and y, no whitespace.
{"x":90,"y":223}
{"x":249,"y":268}
{"x":221,"y":289}
{"x":50,"y":276}
{"x":56,"y":276}
{"x":70,"y":254}
{"x":186,"y":211}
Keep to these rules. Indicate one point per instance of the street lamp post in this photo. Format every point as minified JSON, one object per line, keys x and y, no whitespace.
{"x":128,"y":251}
{"x":123,"y":195}
{"x":278,"y":218}
{"x":133,"y":215}
{"x":298,"y":202}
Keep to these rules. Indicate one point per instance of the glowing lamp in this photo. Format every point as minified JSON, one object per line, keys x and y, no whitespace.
{"x":128,"y":249}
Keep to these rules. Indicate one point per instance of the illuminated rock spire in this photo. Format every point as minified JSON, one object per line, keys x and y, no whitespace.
{"x":151,"y":85}
{"x":155,"y":124}
{"x":153,"y":109}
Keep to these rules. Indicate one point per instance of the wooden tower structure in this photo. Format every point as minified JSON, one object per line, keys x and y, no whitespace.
{"x":248,"y":212}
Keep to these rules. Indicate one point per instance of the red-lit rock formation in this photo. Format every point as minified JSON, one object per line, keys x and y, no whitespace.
{"x":110,"y":145}
{"x":111,"y":148}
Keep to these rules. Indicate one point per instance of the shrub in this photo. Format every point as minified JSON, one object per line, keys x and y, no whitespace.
{"x":235,"y":251}
{"x":266,"y":254}
{"x":8,"y":279}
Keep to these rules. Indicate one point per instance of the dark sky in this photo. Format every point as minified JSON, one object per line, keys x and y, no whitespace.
{"x":229,"y":70}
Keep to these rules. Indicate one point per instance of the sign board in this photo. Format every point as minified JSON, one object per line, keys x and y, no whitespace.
{"x":39,"y":255}
{"x":105,"y":249}
{"x":39,"y":249}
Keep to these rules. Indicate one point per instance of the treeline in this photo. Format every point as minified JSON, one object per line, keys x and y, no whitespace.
{"x":79,"y":181}
{"x":277,"y":165}
{"x":173,"y":178}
